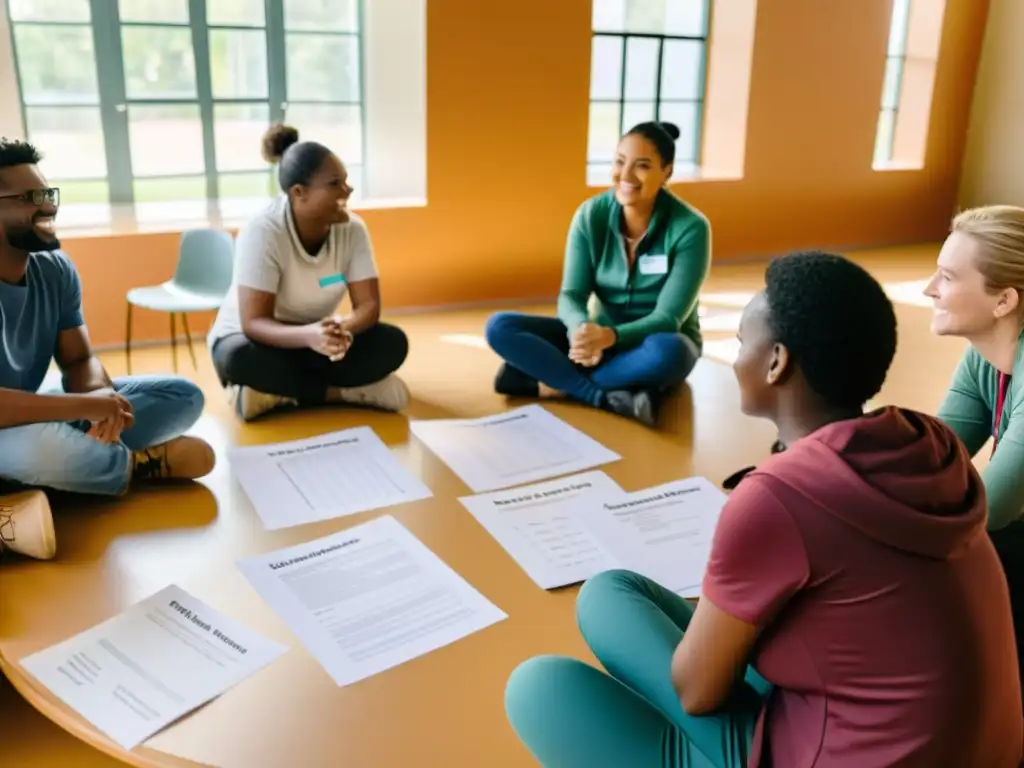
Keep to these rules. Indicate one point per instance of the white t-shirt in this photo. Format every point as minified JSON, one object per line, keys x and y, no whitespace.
{"x":270,"y":257}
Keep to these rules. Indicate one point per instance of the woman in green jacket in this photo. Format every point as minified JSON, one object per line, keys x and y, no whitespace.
{"x":978,"y":294}
{"x":627,"y":326}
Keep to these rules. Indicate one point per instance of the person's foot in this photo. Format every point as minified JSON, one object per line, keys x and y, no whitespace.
{"x":26,"y":525}
{"x":183,"y":458}
{"x":389,"y":394}
{"x":512,"y":382}
{"x":250,"y":403}
{"x":638,"y":406}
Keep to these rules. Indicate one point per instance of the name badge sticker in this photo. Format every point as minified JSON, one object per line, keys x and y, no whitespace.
{"x":651,"y":264}
{"x":330,"y":280}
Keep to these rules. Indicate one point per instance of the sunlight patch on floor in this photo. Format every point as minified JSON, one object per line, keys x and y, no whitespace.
{"x":733,"y":299}
{"x":464,"y":340}
{"x":722,"y":350}
{"x":910,"y":292}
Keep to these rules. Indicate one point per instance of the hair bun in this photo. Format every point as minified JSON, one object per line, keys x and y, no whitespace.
{"x":671,"y":129}
{"x":276,"y":140}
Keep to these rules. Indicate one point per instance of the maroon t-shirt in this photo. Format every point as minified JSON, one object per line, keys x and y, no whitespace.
{"x":862,"y":552}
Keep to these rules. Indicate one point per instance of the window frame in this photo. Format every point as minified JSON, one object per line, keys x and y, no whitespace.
{"x":884,"y":156}
{"x":114,"y":104}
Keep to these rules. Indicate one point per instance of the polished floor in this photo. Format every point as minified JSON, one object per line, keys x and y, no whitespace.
{"x":461,"y":387}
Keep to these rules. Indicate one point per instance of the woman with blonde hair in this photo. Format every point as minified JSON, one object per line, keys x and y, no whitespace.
{"x":978,"y":294}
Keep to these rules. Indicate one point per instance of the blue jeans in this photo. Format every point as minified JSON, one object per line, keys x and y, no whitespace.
{"x":539,"y":346}
{"x":62,"y":456}
{"x":571,"y":715}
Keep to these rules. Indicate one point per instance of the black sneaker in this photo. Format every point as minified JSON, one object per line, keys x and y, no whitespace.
{"x":514,"y":383}
{"x":638,"y":406}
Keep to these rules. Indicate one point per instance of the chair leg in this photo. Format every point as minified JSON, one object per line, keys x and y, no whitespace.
{"x":174,"y":344}
{"x":128,"y":341}
{"x":188,"y":338}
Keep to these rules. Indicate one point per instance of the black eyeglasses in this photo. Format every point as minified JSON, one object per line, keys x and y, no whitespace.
{"x":36,"y":196}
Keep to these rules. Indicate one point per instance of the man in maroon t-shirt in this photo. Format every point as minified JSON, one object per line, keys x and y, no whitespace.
{"x":852,"y":571}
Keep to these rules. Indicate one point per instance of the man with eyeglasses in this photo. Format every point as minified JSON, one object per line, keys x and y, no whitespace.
{"x":96,"y":435}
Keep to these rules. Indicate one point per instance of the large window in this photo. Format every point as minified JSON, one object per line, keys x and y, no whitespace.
{"x":895,"y":62}
{"x":166,"y":100}
{"x":648,"y":61}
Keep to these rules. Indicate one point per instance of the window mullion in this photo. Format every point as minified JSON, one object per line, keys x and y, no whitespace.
{"x":106,"y":32}
{"x":277,"y":85}
{"x":204,"y":92}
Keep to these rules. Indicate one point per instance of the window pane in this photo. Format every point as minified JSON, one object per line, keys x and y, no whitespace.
{"x":604,"y":133}
{"x":82,"y":191}
{"x":245,"y":13}
{"x":158,"y":63}
{"x":606,"y":67}
{"x":685,"y":116}
{"x":599,"y":174}
{"x":884,"y":137}
{"x":71,"y":138}
{"x":335,"y":126}
{"x":245,"y":185}
{"x":238,"y":63}
{"x":322,"y":15}
{"x":646,"y":16}
{"x":641,"y":68}
{"x":323,"y":68}
{"x":686,"y":17}
{"x":166,"y":11}
{"x":609,"y":16}
{"x":634,"y":112}
{"x":170,"y":190}
{"x":57,"y":64}
{"x":681,"y":69}
{"x":891,"y":84}
{"x":49,"y":10}
{"x":898,"y":27}
{"x":153,"y":130}
{"x":237,"y":132}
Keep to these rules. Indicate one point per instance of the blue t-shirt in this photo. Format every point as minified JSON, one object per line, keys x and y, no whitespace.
{"x":33,"y":314}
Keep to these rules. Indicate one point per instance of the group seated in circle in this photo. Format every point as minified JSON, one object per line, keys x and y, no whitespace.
{"x":865,"y":586}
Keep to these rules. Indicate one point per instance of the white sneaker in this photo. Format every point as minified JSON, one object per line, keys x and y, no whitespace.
{"x":390,"y":394}
{"x":26,"y":525}
{"x":250,"y":403}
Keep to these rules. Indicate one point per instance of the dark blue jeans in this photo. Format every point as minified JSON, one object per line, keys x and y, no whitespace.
{"x":539,"y":347}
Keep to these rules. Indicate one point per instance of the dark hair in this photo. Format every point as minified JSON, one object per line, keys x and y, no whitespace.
{"x":297,"y":161}
{"x":836,"y":321}
{"x":662,"y":135}
{"x":16,"y":152}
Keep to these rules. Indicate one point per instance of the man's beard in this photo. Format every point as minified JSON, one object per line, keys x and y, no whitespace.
{"x":29,"y":240}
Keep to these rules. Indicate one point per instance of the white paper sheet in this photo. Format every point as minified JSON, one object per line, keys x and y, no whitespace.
{"x":520,"y":446}
{"x":368,"y":598}
{"x":664,"y":532}
{"x":318,"y":478}
{"x":141,"y":670}
{"x":539,"y":527}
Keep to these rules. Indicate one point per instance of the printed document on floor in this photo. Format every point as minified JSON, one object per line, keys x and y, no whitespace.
{"x":369,"y":598}
{"x":539,"y":526}
{"x":318,"y":478}
{"x":520,"y":446}
{"x":566,"y":531}
{"x":141,"y":670}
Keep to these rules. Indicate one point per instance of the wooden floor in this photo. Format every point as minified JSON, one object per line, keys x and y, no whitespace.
{"x":462,"y":387}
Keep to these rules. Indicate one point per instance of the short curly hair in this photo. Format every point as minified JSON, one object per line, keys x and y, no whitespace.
{"x":836,"y":321}
{"x":16,"y":152}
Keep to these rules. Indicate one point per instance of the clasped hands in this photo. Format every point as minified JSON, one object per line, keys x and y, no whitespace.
{"x":330,"y":337}
{"x":108,"y":413}
{"x":588,"y":343}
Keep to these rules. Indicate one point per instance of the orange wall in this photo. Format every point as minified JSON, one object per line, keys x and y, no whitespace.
{"x":507,"y":89}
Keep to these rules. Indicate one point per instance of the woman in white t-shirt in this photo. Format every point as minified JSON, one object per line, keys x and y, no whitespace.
{"x":278,"y":338}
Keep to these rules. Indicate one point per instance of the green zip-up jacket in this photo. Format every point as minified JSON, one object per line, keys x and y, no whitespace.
{"x":659,"y":294}
{"x":969,"y":410}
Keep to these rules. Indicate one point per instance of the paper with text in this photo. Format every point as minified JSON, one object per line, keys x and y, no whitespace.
{"x":664,"y":532}
{"x":520,"y":446}
{"x":368,"y":598}
{"x":141,"y":670}
{"x":318,"y":478}
{"x":538,"y":525}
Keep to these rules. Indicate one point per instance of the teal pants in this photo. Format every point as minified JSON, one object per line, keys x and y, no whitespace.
{"x":571,"y":715}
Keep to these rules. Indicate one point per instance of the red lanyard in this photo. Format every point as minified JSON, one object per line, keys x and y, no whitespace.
{"x":1004,"y":387}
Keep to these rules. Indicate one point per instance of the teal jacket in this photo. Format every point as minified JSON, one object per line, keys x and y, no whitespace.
{"x":969,"y":409}
{"x":659,"y":294}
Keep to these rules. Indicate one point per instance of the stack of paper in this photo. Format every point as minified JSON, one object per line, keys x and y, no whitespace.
{"x":341,"y":473}
{"x":565,"y":531}
{"x":137,"y":672}
{"x":521,"y":446}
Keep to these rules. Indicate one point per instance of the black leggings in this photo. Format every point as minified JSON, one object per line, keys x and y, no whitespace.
{"x":1009,"y":543}
{"x":304,"y":374}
